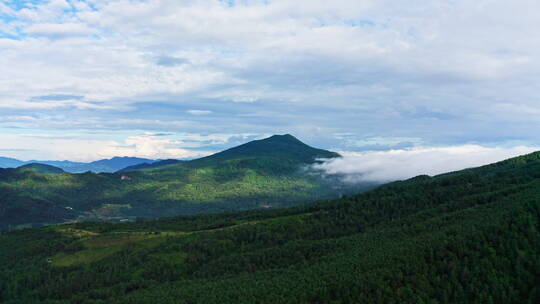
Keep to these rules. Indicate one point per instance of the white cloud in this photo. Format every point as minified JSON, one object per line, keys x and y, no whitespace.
{"x":17,"y":118}
{"x":150,"y":146}
{"x":199,"y":112}
{"x":60,"y":30}
{"x":6,"y":10}
{"x":385,"y":166}
{"x":295,"y":42}
{"x":438,"y":72}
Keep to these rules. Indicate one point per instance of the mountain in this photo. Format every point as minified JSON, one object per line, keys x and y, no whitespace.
{"x":285,"y":147}
{"x":270,"y":173}
{"x":117,"y":163}
{"x":471,"y":236}
{"x":105,"y":165}
{"x":6,"y":162}
{"x":155,"y":164}
{"x":41,"y":168}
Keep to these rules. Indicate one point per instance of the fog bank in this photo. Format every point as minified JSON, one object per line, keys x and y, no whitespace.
{"x":385,"y":166}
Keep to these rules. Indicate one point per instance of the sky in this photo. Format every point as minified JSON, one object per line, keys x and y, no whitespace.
{"x":85,"y":80}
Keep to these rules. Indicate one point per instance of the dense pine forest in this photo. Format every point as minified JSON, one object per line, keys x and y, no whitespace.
{"x":464,"y":237}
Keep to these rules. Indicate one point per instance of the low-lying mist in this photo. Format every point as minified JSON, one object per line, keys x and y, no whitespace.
{"x":392,"y":165}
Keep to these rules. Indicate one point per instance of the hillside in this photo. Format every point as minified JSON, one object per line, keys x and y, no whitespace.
{"x":466,"y":237}
{"x":156,"y":164}
{"x":266,"y":174}
{"x":41,"y":168}
{"x":116,"y":163}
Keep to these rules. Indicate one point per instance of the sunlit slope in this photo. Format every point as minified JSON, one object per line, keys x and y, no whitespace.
{"x":467,"y":237}
{"x":266,"y":173}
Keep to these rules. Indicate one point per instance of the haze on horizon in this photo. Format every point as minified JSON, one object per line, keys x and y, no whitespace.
{"x":84,"y":80}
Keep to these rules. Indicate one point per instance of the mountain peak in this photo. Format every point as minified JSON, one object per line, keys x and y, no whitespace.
{"x":284,"y":138}
{"x":285,"y":147}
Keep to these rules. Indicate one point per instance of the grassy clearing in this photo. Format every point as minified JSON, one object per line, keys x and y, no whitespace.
{"x":173,"y":258}
{"x":78,"y":233}
{"x":111,"y":209}
{"x":83,"y":257}
{"x":97,"y":247}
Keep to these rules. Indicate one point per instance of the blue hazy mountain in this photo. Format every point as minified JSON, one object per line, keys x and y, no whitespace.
{"x":6,"y":162}
{"x":100,"y":166}
{"x":149,"y":165}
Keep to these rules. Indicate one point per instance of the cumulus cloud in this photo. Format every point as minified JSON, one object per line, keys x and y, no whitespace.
{"x":422,"y":73}
{"x":385,"y":166}
{"x":150,"y":146}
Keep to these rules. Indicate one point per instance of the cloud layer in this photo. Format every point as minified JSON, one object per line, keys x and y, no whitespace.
{"x":349,"y":75}
{"x":386,"y":166}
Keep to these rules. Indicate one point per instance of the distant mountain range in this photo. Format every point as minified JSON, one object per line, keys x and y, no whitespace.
{"x":105,"y":165}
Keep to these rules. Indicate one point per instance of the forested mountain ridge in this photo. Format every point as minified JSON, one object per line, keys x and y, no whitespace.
{"x":470,"y":236}
{"x":285,"y":148}
{"x":263,"y":174}
{"x":41,"y":168}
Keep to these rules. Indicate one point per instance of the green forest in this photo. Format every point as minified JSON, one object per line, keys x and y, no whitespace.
{"x":268,"y":173}
{"x":470,"y":236}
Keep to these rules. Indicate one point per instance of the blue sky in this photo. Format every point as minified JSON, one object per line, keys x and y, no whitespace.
{"x":83,"y":80}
